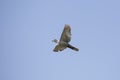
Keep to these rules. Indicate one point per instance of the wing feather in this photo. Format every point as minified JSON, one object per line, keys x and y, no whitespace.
{"x":59,"y":48}
{"x":66,"y":34}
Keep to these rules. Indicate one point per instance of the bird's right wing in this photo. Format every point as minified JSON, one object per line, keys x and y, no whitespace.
{"x":66,"y":34}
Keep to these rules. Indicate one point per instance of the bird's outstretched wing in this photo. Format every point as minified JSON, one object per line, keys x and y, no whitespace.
{"x":59,"y":48}
{"x":66,"y":34}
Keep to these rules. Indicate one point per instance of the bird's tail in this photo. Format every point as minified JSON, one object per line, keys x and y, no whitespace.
{"x":72,"y":47}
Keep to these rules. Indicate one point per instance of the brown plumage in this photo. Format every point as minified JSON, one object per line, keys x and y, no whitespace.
{"x":64,"y":40}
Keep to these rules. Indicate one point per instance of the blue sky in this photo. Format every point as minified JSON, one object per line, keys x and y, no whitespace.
{"x":28,"y":27}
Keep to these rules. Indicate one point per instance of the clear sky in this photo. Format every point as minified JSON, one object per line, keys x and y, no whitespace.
{"x":27,"y":28}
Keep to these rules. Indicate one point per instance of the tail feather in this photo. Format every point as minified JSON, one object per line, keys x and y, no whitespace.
{"x":72,"y":47}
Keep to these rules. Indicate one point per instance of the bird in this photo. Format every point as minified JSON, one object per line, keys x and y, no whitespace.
{"x":65,"y":38}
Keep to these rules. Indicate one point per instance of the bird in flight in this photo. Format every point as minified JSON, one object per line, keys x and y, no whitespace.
{"x":65,"y":38}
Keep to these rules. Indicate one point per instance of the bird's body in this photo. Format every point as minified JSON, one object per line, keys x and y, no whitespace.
{"x":64,"y":40}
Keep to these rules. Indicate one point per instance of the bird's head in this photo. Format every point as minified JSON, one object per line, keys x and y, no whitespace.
{"x":55,"y":40}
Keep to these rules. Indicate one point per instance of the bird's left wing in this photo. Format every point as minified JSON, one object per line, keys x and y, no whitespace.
{"x":59,"y":48}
